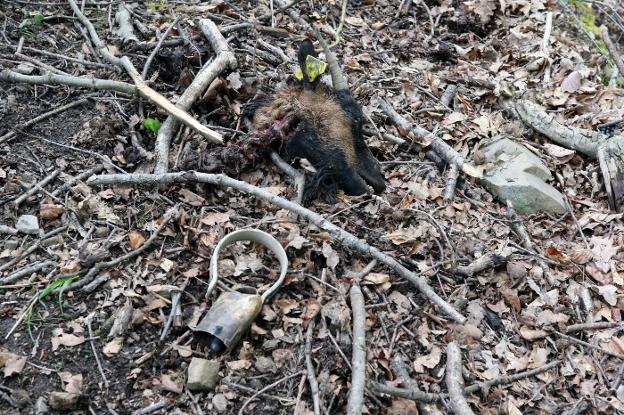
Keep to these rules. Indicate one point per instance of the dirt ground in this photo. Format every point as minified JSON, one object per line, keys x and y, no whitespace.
{"x":517,"y":313}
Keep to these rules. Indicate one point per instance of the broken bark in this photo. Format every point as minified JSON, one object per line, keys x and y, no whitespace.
{"x":609,"y":151}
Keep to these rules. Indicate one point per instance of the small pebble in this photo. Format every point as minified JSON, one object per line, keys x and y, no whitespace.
{"x":28,"y":224}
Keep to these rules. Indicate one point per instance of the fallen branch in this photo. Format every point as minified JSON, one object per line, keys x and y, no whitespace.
{"x":487,"y":261}
{"x":54,"y":79}
{"x":173,"y":212}
{"x":27,"y":271}
{"x":297,"y":177}
{"x":314,"y":387}
{"x":518,"y":227}
{"x":36,"y":187}
{"x":416,"y":395}
{"x":358,"y":354}
{"x":142,"y":88}
{"x":455,"y":381}
{"x":224,"y":60}
{"x":612,"y":49}
{"x":340,"y":234}
{"x":609,"y":151}
{"x":439,"y":146}
{"x":93,"y":348}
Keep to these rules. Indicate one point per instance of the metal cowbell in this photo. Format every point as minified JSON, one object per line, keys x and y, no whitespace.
{"x":232,"y":314}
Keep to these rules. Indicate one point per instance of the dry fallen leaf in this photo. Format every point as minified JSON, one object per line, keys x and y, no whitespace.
{"x":531,"y":335}
{"x":429,"y":361}
{"x":136,"y":240}
{"x":51,"y":211}
{"x":113,"y":347}
{"x":66,"y":339}
{"x":11,"y":362}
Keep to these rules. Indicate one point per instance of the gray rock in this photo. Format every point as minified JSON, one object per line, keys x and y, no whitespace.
{"x":265,"y":365}
{"x":516,"y":174}
{"x":41,"y":407}
{"x":202,"y":374}
{"x":24,"y":68}
{"x":28,"y":224}
{"x":220,"y":403}
{"x":63,"y":401}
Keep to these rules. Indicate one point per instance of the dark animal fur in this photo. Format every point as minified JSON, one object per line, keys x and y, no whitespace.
{"x":310,"y":121}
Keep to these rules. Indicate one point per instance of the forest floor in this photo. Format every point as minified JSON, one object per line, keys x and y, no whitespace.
{"x":517,"y":313}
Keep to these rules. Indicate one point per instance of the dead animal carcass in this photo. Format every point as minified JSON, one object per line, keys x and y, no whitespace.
{"x":309,"y":120}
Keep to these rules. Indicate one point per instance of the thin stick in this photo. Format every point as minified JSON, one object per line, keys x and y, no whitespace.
{"x":545,"y":46}
{"x":591,"y":326}
{"x":589,"y":345}
{"x":36,"y":187}
{"x":152,"y":408}
{"x":32,"y":248}
{"x":53,"y":79}
{"x":297,"y":177}
{"x":358,"y":356}
{"x":150,"y":58}
{"x":95,"y":353}
{"x":612,"y":49}
{"x":27,"y":271}
{"x":455,"y":380}
{"x":143,"y":89}
{"x":505,"y":380}
{"x":75,"y":179}
{"x":171,"y":213}
{"x":344,"y":237}
{"x":241,"y":411}
{"x":314,"y":387}
{"x":41,"y":117}
{"x":224,"y":60}
{"x":175,"y":301}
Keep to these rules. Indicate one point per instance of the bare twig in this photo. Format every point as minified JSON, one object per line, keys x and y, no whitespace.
{"x":521,"y":231}
{"x":545,"y":46}
{"x":32,"y":248}
{"x":297,"y":177}
{"x":589,"y":345}
{"x":449,"y":95}
{"x":53,"y":79}
{"x":142,"y":88}
{"x":487,"y":261}
{"x":75,"y":179}
{"x":505,"y":380}
{"x":93,"y":348}
{"x":150,"y":58}
{"x":241,"y":411}
{"x":152,"y":408}
{"x":602,"y":325}
{"x":175,"y":306}
{"x":224,"y":60}
{"x":417,"y":395}
{"x":455,"y":380}
{"x":314,"y":387}
{"x":340,"y":234}
{"x":612,"y":49}
{"x":42,"y":117}
{"x":27,"y":271}
{"x":36,"y":187}
{"x":358,"y":356}
{"x":171,"y":213}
